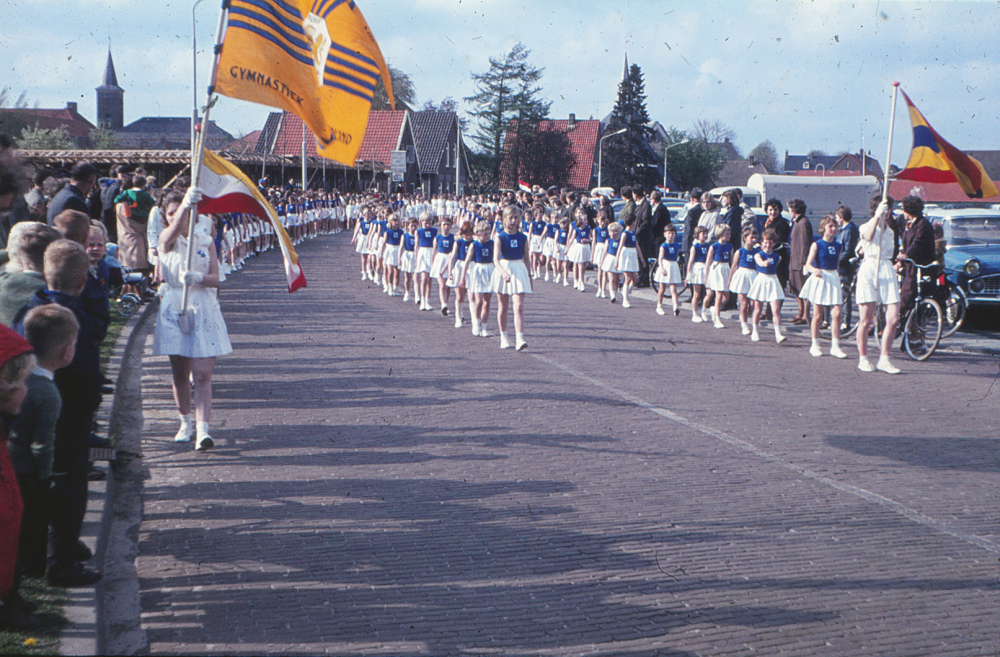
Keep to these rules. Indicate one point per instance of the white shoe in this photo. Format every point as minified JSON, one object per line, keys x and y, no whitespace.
{"x":483,"y":333}
{"x":717,"y":324}
{"x":865,"y":365}
{"x":406,"y":296}
{"x":779,"y":338}
{"x":522,"y":345}
{"x":625,"y":303}
{"x":885,"y":366}
{"x":754,"y":336}
{"x":364,"y":276}
{"x":697,"y":319}
{"x":565,"y":282}
{"x":476,"y":329}
{"x":837,"y":352}
{"x":599,"y":294}
{"x":546,"y":277}
{"x":660,"y":311}
{"x":815,"y":351}
{"x":458,"y":322}
{"x":704,"y":315}
{"x":204,"y":440}
{"x":504,"y":341}
{"x":185,"y":431}
{"x":745,"y":328}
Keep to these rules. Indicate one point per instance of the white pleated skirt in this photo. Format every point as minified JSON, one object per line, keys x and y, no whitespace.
{"x":549,"y":247}
{"x":718,"y":277}
{"x":578,"y":253}
{"x":406,"y":262}
{"x":520,"y":280}
{"x":390,"y":257}
{"x":424,"y":259}
{"x":672,"y":275}
{"x":823,"y":290}
{"x":479,"y":277}
{"x":630,"y":259}
{"x":360,"y":246}
{"x":766,"y":288}
{"x":696,"y":274}
{"x":742,"y":280}
{"x":439,"y":267}
{"x":608,"y":264}
{"x":535,"y":243}
{"x":599,"y":251}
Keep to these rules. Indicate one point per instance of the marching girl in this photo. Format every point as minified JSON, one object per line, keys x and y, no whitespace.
{"x":600,"y":250}
{"x":535,"y":243}
{"x":549,"y":248}
{"x":360,"y":240}
{"x":766,"y":288}
{"x":578,"y":251}
{"x":457,"y":280}
{"x":478,"y":273}
{"x":407,"y":257}
{"x":669,"y":272}
{"x":441,"y":266}
{"x":696,"y":272}
{"x":425,"y":255}
{"x":720,"y":254}
{"x":391,"y":242}
{"x":822,"y":287}
{"x":628,"y":260}
{"x":744,"y":271}
{"x":562,"y":242}
{"x":609,"y":265}
{"x":510,"y":275}
{"x":877,"y":282}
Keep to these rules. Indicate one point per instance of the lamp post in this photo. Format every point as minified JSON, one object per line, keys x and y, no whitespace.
{"x":600,"y":152}
{"x":194,"y":78}
{"x":665,"y":149}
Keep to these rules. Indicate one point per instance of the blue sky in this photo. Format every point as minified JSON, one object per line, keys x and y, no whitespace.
{"x":803,"y":74}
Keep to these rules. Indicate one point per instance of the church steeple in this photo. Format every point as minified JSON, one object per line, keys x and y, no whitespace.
{"x":110,"y":99}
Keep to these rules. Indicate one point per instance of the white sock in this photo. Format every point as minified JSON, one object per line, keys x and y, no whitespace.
{"x":202,"y":429}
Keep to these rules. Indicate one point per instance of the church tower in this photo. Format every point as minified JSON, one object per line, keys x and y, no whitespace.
{"x":110,"y":99}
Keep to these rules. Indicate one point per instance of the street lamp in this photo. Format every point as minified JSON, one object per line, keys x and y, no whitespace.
{"x":665,"y":149}
{"x":600,"y":152}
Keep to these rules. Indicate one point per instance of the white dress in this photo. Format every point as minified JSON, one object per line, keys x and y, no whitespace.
{"x":208,"y":336}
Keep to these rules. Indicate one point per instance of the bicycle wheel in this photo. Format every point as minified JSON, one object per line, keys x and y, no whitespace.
{"x":954,"y":307}
{"x":922,"y":332}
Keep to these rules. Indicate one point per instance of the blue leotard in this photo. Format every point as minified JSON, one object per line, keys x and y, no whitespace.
{"x":445,"y":243}
{"x":409,"y":241}
{"x":461,"y":249}
{"x":701,"y":251}
{"x":828,"y":254}
{"x":425,"y":237}
{"x":562,"y":236}
{"x":581,"y":233}
{"x":628,"y":239}
{"x":482,"y":252}
{"x":722,"y":252}
{"x":772,"y":260}
{"x":393,"y":236}
{"x":537,"y":227}
{"x":671,"y":250}
{"x":600,"y":235}
{"x":613,"y":245}
{"x":746,"y":258}
{"x":512,"y":246}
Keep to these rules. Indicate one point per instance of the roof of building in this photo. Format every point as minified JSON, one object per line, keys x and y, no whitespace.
{"x":160,"y":132}
{"x":990,"y":161}
{"x":583,"y":136}
{"x":736,"y":173}
{"x":934,"y":192}
{"x":726,"y":148}
{"x":13,"y":120}
{"x":282,"y":136}
{"x":245,"y":144}
{"x":106,"y":156}
{"x":431,"y":131}
{"x":795,"y":163}
{"x":383,"y":135}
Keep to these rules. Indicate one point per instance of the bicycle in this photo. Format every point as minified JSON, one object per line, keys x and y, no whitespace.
{"x":923,"y":324}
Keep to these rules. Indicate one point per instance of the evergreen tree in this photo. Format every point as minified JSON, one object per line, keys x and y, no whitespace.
{"x":507,"y":97}
{"x":402,"y":91}
{"x":628,"y":159}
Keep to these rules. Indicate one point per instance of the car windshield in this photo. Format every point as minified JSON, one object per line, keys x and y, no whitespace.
{"x":961,"y":231}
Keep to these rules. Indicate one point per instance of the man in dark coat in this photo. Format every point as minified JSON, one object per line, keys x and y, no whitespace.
{"x":691,"y":218}
{"x":643,"y":234}
{"x":73,"y":196}
{"x":660,"y":219}
{"x":918,"y":246}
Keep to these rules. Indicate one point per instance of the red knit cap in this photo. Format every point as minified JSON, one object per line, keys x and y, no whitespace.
{"x":11,"y":344}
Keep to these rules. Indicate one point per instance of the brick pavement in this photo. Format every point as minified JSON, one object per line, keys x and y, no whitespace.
{"x":630,"y":485}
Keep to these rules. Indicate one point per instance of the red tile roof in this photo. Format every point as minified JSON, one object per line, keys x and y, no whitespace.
{"x":583,"y":144}
{"x":49,"y":119}
{"x":382,"y":132}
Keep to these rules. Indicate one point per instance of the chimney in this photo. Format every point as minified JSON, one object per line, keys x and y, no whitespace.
{"x":71,"y":107}
{"x":752,"y":162}
{"x":572,"y":121}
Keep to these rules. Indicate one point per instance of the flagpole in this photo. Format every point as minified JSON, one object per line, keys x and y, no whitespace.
{"x":892,"y":125}
{"x":200,"y":152}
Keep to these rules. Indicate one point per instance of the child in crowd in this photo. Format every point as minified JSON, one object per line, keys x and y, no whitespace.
{"x":744,"y":271}
{"x":510,"y":275}
{"x":360,"y":239}
{"x":562,"y":244}
{"x":628,"y":259}
{"x":822,"y":288}
{"x":578,"y":251}
{"x":26,"y":248}
{"x":696,"y":272}
{"x":51,"y":330}
{"x":424,"y":258}
{"x":668,"y":272}
{"x":392,"y":241}
{"x":718,"y":259}
{"x":765,"y":287}
{"x":441,"y":265}
{"x":610,"y":264}
{"x":478,"y":273}
{"x":537,"y":237}
{"x":407,"y":262}
{"x":601,"y":250}
{"x":457,"y":280}
{"x":549,"y":247}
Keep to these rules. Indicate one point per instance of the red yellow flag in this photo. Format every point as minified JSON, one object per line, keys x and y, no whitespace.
{"x":315,"y":58}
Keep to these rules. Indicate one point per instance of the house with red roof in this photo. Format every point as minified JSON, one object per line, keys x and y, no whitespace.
{"x":14,"y":120}
{"x":583,"y":138}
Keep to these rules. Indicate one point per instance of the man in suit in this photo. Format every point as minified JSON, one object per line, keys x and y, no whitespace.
{"x":643,"y":234}
{"x":660,"y":219}
{"x":73,"y":196}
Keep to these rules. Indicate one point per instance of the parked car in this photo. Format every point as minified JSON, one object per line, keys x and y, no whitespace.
{"x":972,"y":258}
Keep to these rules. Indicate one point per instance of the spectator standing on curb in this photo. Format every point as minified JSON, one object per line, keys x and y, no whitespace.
{"x":847,"y":235}
{"x":800,"y":241}
{"x":73,"y":196}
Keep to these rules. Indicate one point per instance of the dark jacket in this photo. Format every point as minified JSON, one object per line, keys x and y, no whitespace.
{"x":800,"y":241}
{"x":69,"y":198}
{"x":660,"y":220}
{"x":644,"y":232}
{"x":690,"y":221}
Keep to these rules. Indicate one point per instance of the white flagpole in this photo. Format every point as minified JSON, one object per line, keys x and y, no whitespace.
{"x":892,"y":125}
{"x":200,"y":152}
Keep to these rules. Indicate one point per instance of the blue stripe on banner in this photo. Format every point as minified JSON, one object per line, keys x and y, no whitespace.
{"x":368,"y":75}
{"x":353,"y":92}
{"x":294,"y":11}
{"x":273,"y":39}
{"x":322,"y":7}
{"x":922,"y":136}
{"x":294,"y":24}
{"x":354,"y":54}
{"x":330,"y":72}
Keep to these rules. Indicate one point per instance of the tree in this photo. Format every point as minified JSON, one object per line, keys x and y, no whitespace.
{"x":694,"y":164}
{"x":542,"y":156}
{"x":103,"y":138}
{"x":714,"y":132}
{"x":402,"y":91}
{"x":767,"y":154}
{"x":507,"y":96}
{"x":629,"y":159}
{"x":45,"y":139}
{"x":7,"y":100}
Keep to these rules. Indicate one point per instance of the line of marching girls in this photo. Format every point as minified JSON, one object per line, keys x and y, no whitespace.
{"x":479,"y":248}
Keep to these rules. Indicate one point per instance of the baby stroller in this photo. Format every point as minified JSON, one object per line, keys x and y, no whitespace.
{"x":128,"y":303}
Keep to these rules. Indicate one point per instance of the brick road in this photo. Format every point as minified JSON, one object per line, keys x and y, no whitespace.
{"x":385,"y":484}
